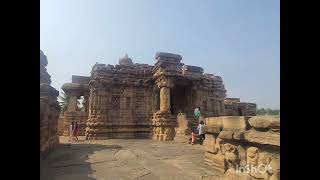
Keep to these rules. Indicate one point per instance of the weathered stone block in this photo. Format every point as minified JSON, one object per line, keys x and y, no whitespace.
{"x":235,"y":122}
{"x":226,"y":135}
{"x":265,"y":122}
{"x":214,"y":121}
{"x":209,"y":143}
{"x":269,"y":137}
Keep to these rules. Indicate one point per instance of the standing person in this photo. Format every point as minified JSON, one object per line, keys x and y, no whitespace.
{"x":76,"y":130}
{"x":194,"y":136}
{"x":201,"y":132}
{"x":71,"y":129}
{"x":197,"y":113}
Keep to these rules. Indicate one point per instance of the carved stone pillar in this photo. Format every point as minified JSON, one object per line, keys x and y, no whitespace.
{"x":163,"y":122}
{"x":86,"y":103}
{"x":164,"y":99}
{"x":72,"y":107}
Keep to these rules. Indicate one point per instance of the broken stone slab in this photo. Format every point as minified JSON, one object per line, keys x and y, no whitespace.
{"x":265,"y":122}
{"x":267,"y":138}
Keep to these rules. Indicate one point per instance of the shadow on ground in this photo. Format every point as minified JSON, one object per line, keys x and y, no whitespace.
{"x":71,"y":161}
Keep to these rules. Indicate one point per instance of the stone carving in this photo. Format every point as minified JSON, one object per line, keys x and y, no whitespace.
{"x":232,"y":156}
{"x":258,"y":149}
{"x":252,"y":156}
{"x":115,"y":102}
{"x":163,"y":81}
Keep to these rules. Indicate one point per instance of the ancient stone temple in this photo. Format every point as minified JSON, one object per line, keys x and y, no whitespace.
{"x":131,"y":100}
{"x":49,"y":110}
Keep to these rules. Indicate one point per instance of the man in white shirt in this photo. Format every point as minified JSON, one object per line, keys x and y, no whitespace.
{"x":201,"y":132}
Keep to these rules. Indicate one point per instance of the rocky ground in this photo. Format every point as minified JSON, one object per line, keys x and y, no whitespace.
{"x":124,"y":159}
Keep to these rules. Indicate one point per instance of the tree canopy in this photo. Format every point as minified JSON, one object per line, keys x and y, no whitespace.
{"x":268,"y":111}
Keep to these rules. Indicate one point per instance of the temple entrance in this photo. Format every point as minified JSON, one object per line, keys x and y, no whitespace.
{"x":179,"y":100}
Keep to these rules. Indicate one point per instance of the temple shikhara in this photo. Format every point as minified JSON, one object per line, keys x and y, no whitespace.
{"x":131,"y":100}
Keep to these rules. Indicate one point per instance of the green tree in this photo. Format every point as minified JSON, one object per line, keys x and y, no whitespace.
{"x":268,"y":111}
{"x":64,"y":102}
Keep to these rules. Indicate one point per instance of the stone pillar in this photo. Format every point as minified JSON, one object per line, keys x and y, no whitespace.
{"x":165,"y":99}
{"x":86,"y":103}
{"x":72,"y":107}
{"x":163,"y":122}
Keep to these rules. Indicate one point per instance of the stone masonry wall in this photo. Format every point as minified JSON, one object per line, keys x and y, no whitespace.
{"x":49,"y":110}
{"x":244,"y":147}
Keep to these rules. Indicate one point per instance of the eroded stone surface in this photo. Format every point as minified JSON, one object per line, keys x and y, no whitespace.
{"x":265,"y":121}
{"x":244,"y":141}
{"x":269,"y":137}
{"x":127,"y":159}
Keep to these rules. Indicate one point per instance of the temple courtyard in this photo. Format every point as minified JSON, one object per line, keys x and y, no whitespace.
{"x":122,"y":159}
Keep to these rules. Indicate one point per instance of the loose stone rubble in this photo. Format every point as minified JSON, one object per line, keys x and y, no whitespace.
{"x":49,"y":110}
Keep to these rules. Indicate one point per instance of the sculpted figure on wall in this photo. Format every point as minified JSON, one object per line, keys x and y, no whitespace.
{"x":252,"y":156}
{"x":231,"y":156}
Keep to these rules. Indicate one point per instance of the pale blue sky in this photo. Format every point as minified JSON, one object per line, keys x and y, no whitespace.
{"x":238,"y":40}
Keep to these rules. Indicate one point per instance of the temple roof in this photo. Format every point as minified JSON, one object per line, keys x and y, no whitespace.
{"x":125,"y":60}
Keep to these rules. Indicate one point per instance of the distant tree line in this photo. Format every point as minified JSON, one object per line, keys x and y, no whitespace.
{"x":268,"y":111}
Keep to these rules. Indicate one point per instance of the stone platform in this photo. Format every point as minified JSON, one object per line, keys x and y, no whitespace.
{"x":126,"y":159}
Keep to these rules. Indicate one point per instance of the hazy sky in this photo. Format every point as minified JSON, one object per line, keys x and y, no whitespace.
{"x":238,"y":40}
